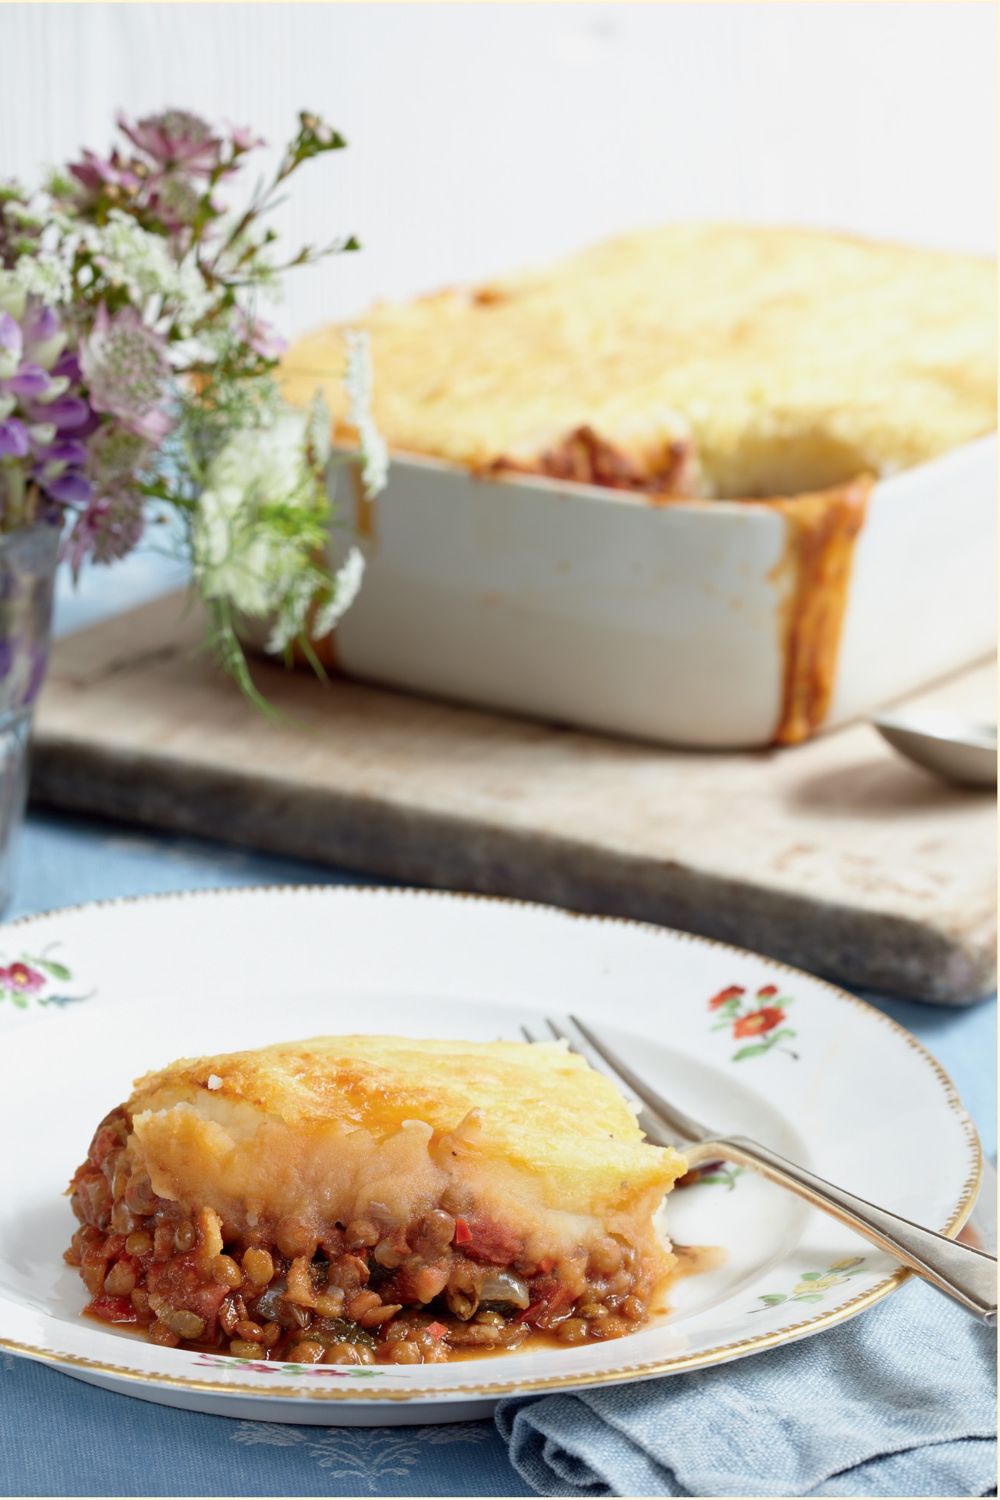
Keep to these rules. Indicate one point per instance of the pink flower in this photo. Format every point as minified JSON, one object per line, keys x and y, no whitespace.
{"x":263,"y":338}
{"x":243,"y":138}
{"x":176,"y":138}
{"x":96,"y":174}
{"x":110,"y":527}
{"x":20,"y":977}
{"x":127,"y":373}
{"x":176,"y":201}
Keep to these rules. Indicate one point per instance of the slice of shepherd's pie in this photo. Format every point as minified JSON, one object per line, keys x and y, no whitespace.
{"x":357,"y":1199}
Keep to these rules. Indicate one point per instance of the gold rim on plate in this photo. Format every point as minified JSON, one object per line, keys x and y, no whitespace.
{"x":718,"y":1354}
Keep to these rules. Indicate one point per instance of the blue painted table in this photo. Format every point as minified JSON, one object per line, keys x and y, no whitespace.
{"x":60,"y":1437}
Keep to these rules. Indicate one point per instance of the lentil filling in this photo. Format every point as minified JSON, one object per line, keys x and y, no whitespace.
{"x":367,"y":1292}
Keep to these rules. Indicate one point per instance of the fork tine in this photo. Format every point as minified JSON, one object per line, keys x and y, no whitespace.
{"x":652,"y":1124}
{"x":528,"y":1034}
{"x":674,"y":1118}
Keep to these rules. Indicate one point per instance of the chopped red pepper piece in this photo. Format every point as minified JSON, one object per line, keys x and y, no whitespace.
{"x":531,"y":1312}
{"x":113,"y":1309}
{"x":463,"y":1234}
{"x":437,"y":1330}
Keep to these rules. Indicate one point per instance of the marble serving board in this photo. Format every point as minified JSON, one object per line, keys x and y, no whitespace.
{"x":834,"y":855}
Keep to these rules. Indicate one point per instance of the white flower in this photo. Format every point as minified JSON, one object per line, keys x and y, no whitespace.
{"x":238,"y":557}
{"x":143,"y":263}
{"x":358,"y":383}
{"x":318,"y":430}
{"x":261,"y":531}
{"x":347,"y":585}
{"x":45,"y":275}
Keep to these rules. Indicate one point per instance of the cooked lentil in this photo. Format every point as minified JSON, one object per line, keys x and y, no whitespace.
{"x":362,"y":1292}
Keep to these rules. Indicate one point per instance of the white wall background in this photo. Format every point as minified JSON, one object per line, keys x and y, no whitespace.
{"x":483,"y":137}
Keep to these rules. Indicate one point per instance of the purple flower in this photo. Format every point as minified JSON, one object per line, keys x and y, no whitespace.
{"x":43,"y":334}
{"x":64,"y":414}
{"x":40,"y":324}
{"x":30,"y":380}
{"x":36,"y":407}
{"x":11,"y":344}
{"x":176,"y":138}
{"x":69,"y":366}
{"x":127,"y":373}
{"x":70,"y":489}
{"x":68,"y":451}
{"x":13,"y":439}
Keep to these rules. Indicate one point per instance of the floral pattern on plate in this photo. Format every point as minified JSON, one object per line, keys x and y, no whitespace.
{"x":758,"y":1017}
{"x":812,"y":1286}
{"x":29,"y":978}
{"x":280,"y":1367}
{"x":712,"y":1172}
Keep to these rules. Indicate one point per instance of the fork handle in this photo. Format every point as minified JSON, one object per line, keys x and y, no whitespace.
{"x":968,"y":1275}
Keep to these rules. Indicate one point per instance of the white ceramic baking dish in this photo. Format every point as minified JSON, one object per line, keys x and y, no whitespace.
{"x":592,"y":607}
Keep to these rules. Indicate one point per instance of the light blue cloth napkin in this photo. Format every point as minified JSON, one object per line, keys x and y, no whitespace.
{"x":900,"y":1401}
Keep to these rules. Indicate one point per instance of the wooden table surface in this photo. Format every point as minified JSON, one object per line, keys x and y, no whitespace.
{"x":836,"y":855}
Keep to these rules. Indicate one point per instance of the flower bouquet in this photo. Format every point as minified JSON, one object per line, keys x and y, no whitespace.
{"x":137,"y":386}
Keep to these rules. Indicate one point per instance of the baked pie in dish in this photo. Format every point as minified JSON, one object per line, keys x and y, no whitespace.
{"x":359,"y":1199}
{"x":763,"y":411}
{"x":712,"y":360}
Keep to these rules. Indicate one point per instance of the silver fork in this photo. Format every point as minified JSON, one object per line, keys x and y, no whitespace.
{"x":968,"y":1275}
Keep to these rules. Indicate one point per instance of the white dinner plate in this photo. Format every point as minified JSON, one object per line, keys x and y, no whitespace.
{"x":95,"y":995}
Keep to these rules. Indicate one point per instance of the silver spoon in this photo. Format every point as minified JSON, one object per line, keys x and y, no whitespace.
{"x":953,"y":747}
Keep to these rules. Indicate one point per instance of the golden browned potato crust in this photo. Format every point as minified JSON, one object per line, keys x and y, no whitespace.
{"x":725,"y":360}
{"x":324,"y":1128}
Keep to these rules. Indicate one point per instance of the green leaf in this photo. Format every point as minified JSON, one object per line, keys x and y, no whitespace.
{"x":21,"y":1001}
{"x":773,"y":1298}
{"x":780,"y":1034}
{"x":809,"y":1276}
{"x":715,"y":1177}
{"x":808,"y":1297}
{"x":58,"y":971}
{"x":755,"y":1050}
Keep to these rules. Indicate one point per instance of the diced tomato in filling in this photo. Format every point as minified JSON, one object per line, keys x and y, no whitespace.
{"x":113,"y":1309}
{"x":421,"y":1271}
{"x":551,"y":1306}
{"x":181,"y":1281}
{"x":491,"y":1242}
{"x":104,"y":1142}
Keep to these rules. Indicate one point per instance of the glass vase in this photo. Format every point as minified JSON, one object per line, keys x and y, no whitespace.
{"x":27,"y":576}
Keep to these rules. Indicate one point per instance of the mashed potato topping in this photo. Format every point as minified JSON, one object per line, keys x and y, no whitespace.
{"x":716,"y":359}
